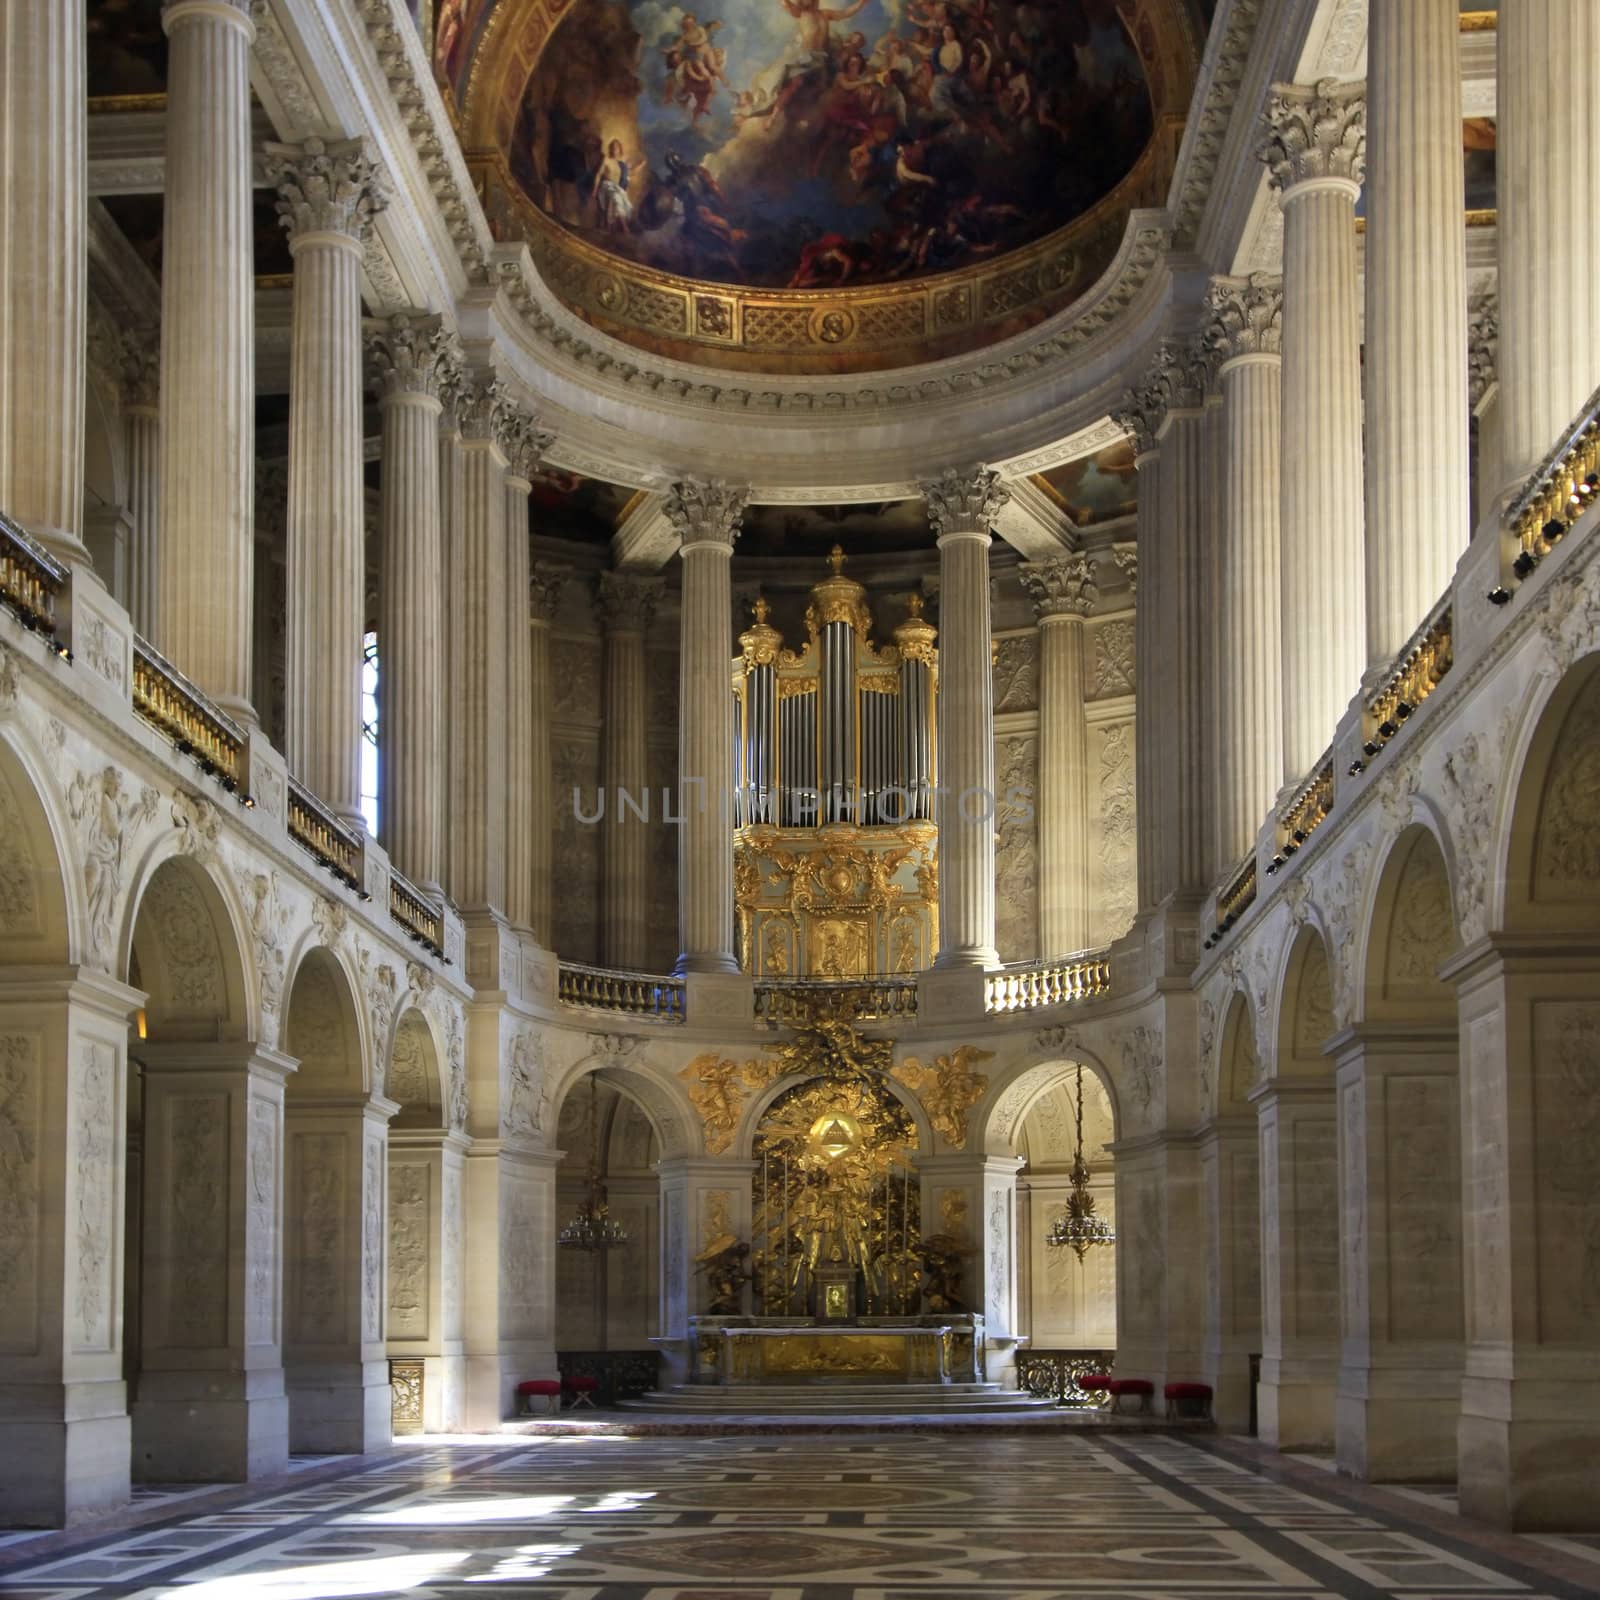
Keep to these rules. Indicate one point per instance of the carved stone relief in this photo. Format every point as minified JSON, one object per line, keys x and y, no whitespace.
{"x":1111,"y":671}
{"x":1567,"y":853}
{"x":268,"y":917}
{"x":526,"y":1097}
{"x":1566,"y":1067}
{"x":372,"y":1241}
{"x":1017,"y":848}
{"x":1424,"y":1213}
{"x":197,"y":1143}
{"x":261,"y":1244}
{"x":1422,"y":930}
{"x":20,"y":911}
{"x":19,"y":1192}
{"x":175,"y":911}
{"x":1016,"y":673}
{"x":321,"y":1184}
{"x":1116,"y":883}
{"x":109,"y":819}
{"x":1141,"y":1064}
{"x":94,"y":1109}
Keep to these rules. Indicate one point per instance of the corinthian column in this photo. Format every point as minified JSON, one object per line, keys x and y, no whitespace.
{"x":1315,"y":151}
{"x":141,"y":413}
{"x":208,"y":351}
{"x":627,"y":604}
{"x":1245,"y":331}
{"x":43,"y":284}
{"x":1064,"y":592}
{"x":408,"y":356}
{"x":706,"y":517}
{"x":1417,"y":460}
{"x":477,"y":726}
{"x":327,"y":197}
{"x":963,"y":506}
{"x":527,"y":792}
{"x":545,"y":583}
{"x":1549,"y":162}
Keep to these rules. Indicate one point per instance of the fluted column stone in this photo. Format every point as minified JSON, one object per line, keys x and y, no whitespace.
{"x":963,"y":507}
{"x":141,"y":432}
{"x":327,"y":197}
{"x":706,"y":516}
{"x":627,"y":602}
{"x":546,"y":582}
{"x":43,"y":271}
{"x":477,"y":852}
{"x":527,"y":792}
{"x":1064,"y":591}
{"x":1548,"y":163}
{"x":1416,"y":324}
{"x":409,"y":357}
{"x":207,"y":446}
{"x":1315,"y":149}
{"x":1245,"y":333}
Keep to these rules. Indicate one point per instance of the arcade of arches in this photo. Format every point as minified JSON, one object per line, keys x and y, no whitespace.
{"x":546,"y":695}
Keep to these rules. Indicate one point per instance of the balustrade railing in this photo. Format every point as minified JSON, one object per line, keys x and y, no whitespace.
{"x":1305,"y":813}
{"x":31,"y":579}
{"x":416,"y":913}
{"x":1055,"y":1374}
{"x":1235,"y":898}
{"x":1563,"y":486}
{"x":634,"y":994}
{"x":1029,"y":986}
{"x":172,"y":705}
{"x":315,"y":828}
{"x":795,"y":1002}
{"x":1418,"y":671}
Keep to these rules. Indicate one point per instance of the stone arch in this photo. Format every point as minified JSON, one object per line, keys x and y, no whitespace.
{"x":185,"y":951}
{"x":1552,"y":854}
{"x":1238,"y":1059}
{"x":993,"y":1123}
{"x":323,"y":1027}
{"x":671,"y":1115}
{"x":40,"y":918}
{"x":1411,"y":933}
{"x":417,"y":1076}
{"x":1305,"y":1012}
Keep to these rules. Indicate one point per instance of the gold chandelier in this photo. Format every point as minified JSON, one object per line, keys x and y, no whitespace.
{"x":1079,"y":1225}
{"x":592,"y":1227}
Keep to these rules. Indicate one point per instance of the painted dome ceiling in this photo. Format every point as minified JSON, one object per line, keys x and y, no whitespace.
{"x":818,"y":185}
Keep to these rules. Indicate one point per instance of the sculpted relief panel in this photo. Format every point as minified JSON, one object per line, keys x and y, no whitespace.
{"x":1567,"y":860}
{"x":196,"y":1149}
{"x":21,"y":916}
{"x":318,"y":1280}
{"x":1017,"y":849}
{"x":94,"y":1110}
{"x":1114,"y":884}
{"x":1566,"y":1043}
{"x":19,"y":1192}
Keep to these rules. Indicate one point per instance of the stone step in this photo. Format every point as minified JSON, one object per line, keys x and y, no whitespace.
{"x":841,"y":1400}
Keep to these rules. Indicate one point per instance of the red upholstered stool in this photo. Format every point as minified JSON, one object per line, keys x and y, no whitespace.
{"x":546,"y":1389}
{"x":583,"y":1391}
{"x":1097,"y":1383}
{"x":1188,"y":1400}
{"x":1139,"y":1389}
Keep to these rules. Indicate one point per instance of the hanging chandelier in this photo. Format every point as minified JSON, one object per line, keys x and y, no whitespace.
{"x":1079,"y":1226}
{"x":592,"y":1227}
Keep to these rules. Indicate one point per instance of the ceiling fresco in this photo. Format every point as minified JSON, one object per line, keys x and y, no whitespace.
{"x":127,"y":48}
{"x":1097,"y":488}
{"x":796,"y":144}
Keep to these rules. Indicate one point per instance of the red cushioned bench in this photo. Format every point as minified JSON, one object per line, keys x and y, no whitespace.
{"x":1096,"y":1383}
{"x":582,"y":1391}
{"x":1140,"y":1389}
{"x":1188,"y":1400}
{"x":546,"y":1389}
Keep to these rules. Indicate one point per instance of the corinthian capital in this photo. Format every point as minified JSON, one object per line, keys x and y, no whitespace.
{"x":408,"y":354}
{"x":326,"y":188}
{"x":1315,"y":133}
{"x":706,"y":511}
{"x":523,"y":441}
{"x":1246,"y":316}
{"x":627,"y":601}
{"x":1064,"y":587}
{"x":1142,"y":412}
{"x":1483,"y":346}
{"x":965,"y":502}
{"x":481,"y":401}
{"x":546,"y":581}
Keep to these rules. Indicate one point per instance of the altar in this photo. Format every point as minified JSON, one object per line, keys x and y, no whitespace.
{"x":739,"y":1351}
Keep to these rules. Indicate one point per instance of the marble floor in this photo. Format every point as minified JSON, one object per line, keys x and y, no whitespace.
{"x":1070,"y":1516}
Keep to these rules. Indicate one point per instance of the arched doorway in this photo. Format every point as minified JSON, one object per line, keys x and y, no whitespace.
{"x":1400,"y":1183}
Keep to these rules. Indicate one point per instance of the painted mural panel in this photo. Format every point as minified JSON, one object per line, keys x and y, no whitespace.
{"x":791,"y":143}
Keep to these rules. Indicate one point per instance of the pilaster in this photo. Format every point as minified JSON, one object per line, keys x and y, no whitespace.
{"x":545,"y":584}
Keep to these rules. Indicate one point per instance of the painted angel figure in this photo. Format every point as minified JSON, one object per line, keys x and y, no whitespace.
{"x":694,"y":66}
{"x":610,"y":192}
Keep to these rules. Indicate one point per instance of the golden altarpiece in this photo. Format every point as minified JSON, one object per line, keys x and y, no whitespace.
{"x":844,"y":1283}
{"x":835,"y":867}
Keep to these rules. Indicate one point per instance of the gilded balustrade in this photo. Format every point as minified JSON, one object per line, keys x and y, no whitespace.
{"x":801,"y":1003}
{"x":31,"y":579}
{"x":172,"y":705}
{"x":634,"y":994}
{"x":415,"y":913}
{"x":1564,"y":486}
{"x":1310,"y":807}
{"x":1032,"y":985}
{"x":318,"y":830}
{"x":1418,"y":671}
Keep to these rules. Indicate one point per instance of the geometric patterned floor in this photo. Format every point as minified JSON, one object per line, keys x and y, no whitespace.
{"x":1057,"y":1517}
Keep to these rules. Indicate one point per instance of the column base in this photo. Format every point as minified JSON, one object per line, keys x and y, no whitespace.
{"x":1529,"y":1451}
{"x":1396,"y":1423}
{"x":339,"y":1407}
{"x":69,"y":1467}
{"x":210,"y":1427}
{"x":1295,"y":1404}
{"x":713,"y":962}
{"x":980,"y":956}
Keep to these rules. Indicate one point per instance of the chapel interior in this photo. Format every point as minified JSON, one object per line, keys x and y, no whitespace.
{"x":832,"y":717}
